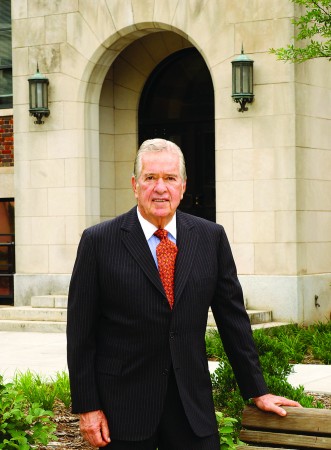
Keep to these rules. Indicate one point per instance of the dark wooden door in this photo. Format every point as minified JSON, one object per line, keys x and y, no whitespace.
{"x":177,"y":104}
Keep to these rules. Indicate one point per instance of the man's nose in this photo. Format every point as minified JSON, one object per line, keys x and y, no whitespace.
{"x":160,"y":185}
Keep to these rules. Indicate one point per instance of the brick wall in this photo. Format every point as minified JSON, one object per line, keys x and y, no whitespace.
{"x":6,"y":141}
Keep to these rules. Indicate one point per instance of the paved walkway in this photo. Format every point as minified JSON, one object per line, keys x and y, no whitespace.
{"x":45,"y":354}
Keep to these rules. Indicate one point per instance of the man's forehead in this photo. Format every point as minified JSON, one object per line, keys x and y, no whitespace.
{"x":154,"y":162}
{"x":160,"y":155}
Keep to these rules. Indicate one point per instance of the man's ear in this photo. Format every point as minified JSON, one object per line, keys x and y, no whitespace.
{"x":134,"y":185}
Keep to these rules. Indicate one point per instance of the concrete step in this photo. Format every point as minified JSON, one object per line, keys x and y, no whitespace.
{"x":259,"y":316}
{"x":255,"y":317}
{"x":257,"y":326}
{"x":33,"y":326}
{"x":27,"y":313}
{"x":49,"y":301}
{"x":48,"y":314}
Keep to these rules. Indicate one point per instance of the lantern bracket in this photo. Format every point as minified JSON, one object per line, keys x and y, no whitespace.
{"x":242,"y":102}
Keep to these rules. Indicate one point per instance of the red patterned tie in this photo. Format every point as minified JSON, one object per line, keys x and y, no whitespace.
{"x":166,"y":253}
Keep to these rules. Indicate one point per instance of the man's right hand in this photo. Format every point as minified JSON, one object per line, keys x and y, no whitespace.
{"x":94,"y":428}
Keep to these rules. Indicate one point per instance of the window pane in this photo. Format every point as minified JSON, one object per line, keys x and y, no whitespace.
{"x":5,"y":14}
{"x":6,"y":88}
{"x":7,"y":216}
{"x":6,"y":85}
{"x":5,"y":48}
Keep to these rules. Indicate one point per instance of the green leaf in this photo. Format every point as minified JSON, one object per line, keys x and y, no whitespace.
{"x":315,"y":21}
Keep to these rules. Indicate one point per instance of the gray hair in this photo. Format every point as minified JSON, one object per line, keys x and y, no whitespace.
{"x":159,"y":145}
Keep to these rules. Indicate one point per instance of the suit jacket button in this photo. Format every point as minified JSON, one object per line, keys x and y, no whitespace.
{"x":165,"y":372}
{"x":172,"y":334}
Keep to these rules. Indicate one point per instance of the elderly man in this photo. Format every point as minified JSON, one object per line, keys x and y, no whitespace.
{"x":139,"y":298}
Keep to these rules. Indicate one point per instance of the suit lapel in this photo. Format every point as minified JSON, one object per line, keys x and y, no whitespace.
{"x":187,"y":241}
{"x":135,"y":241}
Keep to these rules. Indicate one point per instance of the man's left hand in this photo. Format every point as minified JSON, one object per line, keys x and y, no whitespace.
{"x":273,"y":403}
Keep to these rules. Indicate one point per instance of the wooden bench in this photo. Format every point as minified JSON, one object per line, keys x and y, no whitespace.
{"x":302,"y":428}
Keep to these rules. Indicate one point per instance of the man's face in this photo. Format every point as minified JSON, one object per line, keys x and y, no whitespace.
{"x":159,"y":188}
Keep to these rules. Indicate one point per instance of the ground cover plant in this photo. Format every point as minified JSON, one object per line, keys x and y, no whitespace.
{"x":27,"y":407}
{"x":22,"y":424}
{"x":304,"y":344}
{"x":44,"y":390}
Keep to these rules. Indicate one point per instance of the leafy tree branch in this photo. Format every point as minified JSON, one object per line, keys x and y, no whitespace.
{"x":314,"y":33}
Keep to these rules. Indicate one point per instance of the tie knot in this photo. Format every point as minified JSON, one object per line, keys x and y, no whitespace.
{"x":161,"y":233}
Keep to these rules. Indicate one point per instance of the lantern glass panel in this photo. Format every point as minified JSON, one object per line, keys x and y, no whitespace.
{"x":32,"y":95}
{"x":245,"y":87}
{"x":251,"y":79}
{"x":45,"y":95}
{"x":39,"y":95}
{"x":237,"y":79}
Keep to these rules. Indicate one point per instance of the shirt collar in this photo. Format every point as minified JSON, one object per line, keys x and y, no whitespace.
{"x":149,"y":229}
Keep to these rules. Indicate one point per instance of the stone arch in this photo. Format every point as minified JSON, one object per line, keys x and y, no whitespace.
{"x":111,"y":111}
{"x":118,"y":116}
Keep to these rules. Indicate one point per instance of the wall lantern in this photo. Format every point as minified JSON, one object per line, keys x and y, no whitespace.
{"x":242,"y":80}
{"x":38,"y":93}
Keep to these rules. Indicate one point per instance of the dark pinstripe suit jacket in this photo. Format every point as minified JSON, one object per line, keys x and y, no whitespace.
{"x":123,"y":337}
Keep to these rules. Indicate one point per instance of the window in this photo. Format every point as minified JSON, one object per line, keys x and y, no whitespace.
{"x":6,"y":85}
{"x":7,"y":251}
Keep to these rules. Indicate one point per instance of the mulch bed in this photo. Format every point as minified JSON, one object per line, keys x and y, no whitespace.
{"x":68,"y":429}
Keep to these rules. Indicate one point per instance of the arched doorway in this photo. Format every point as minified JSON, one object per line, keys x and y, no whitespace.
{"x":177,"y":103}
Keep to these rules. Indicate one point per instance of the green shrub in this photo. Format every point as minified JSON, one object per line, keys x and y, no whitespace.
{"x":226,"y":432}
{"x":227,"y":398}
{"x":274,"y":359}
{"x":321,"y":342}
{"x":22,"y":425}
{"x":273,"y":355}
{"x":214,"y":346}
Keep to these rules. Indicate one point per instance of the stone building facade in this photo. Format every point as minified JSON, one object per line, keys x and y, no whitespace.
{"x":106,"y":61}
